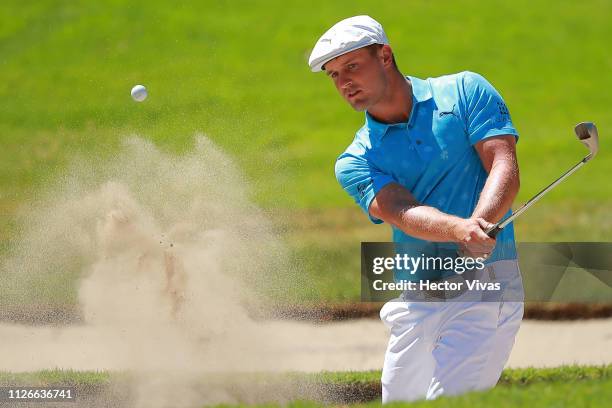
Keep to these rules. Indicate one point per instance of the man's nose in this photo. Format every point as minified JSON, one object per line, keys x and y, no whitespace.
{"x":346,"y":82}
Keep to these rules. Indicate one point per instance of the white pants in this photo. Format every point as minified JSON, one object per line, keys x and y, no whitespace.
{"x":447,"y":348}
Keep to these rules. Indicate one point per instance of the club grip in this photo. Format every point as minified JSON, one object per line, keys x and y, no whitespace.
{"x":494,"y":231}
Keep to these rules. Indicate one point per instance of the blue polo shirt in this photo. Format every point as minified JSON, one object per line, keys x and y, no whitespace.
{"x":432,"y":155}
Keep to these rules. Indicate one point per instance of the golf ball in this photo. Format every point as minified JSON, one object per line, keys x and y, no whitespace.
{"x":139,"y":93}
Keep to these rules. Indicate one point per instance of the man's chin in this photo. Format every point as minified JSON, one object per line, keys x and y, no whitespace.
{"x":359,"y":106}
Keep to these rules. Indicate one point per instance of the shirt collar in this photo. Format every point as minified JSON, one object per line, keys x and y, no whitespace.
{"x":421,"y":92}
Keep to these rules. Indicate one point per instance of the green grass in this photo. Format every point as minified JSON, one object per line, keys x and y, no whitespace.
{"x":585,"y":394}
{"x":510,"y":377}
{"x":68,"y":68}
{"x":56,"y":377}
{"x":573,"y":386}
{"x":237,"y":72}
{"x":561,"y":386}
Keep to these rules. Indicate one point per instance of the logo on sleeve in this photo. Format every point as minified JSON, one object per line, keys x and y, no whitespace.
{"x":504,"y":114}
{"x":361,"y":188}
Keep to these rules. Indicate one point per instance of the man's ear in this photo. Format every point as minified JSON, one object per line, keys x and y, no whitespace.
{"x":387,"y":55}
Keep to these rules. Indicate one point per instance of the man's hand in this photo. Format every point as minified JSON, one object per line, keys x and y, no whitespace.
{"x":472,"y":238}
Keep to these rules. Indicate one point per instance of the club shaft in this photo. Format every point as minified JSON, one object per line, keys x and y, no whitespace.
{"x":535,"y":198}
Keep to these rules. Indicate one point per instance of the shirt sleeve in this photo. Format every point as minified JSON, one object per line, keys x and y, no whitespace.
{"x":361,"y":180}
{"x":486,"y":112}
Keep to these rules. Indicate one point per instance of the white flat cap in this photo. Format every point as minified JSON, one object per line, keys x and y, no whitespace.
{"x":346,"y":36}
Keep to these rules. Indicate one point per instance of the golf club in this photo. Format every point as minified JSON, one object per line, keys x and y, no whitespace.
{"x":587,"y":134}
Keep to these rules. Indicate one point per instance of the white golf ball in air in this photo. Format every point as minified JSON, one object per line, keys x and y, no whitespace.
{"x":139,"y":93}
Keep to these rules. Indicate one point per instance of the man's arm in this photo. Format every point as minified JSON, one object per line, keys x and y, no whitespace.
{"x":498,"y":156}
{"x":395,"y":205}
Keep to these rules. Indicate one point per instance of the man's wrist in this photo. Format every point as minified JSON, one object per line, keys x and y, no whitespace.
{"x":455,"y":229}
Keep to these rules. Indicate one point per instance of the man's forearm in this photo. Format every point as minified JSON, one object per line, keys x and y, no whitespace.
{"x":395,"y":205}
{"x":499,"y":191}
{"x":428,"y":223}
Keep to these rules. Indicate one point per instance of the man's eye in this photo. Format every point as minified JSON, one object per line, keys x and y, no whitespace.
{"x":334,"y":75}
{"x":352,"y":67}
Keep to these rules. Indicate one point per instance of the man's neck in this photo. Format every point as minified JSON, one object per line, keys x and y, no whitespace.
{"x":395,"y":107}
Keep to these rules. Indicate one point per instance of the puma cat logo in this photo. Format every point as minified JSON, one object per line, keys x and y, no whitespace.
{"x":451,"y":112}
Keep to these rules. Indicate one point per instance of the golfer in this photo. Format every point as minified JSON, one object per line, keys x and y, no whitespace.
{"x":435,"y":159}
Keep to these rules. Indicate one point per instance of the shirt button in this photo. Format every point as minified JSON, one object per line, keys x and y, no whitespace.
{"x":418,"y":142}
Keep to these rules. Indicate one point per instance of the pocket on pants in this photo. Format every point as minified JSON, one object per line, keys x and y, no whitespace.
{"x":399,"y":314}
{"x":390,"y":309}
{"x":382,"y":313}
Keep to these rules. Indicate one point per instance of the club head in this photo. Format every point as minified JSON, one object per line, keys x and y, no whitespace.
{"x":587,"y":134}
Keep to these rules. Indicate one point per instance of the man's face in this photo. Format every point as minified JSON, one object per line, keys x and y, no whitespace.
{"x":359,"y":77}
